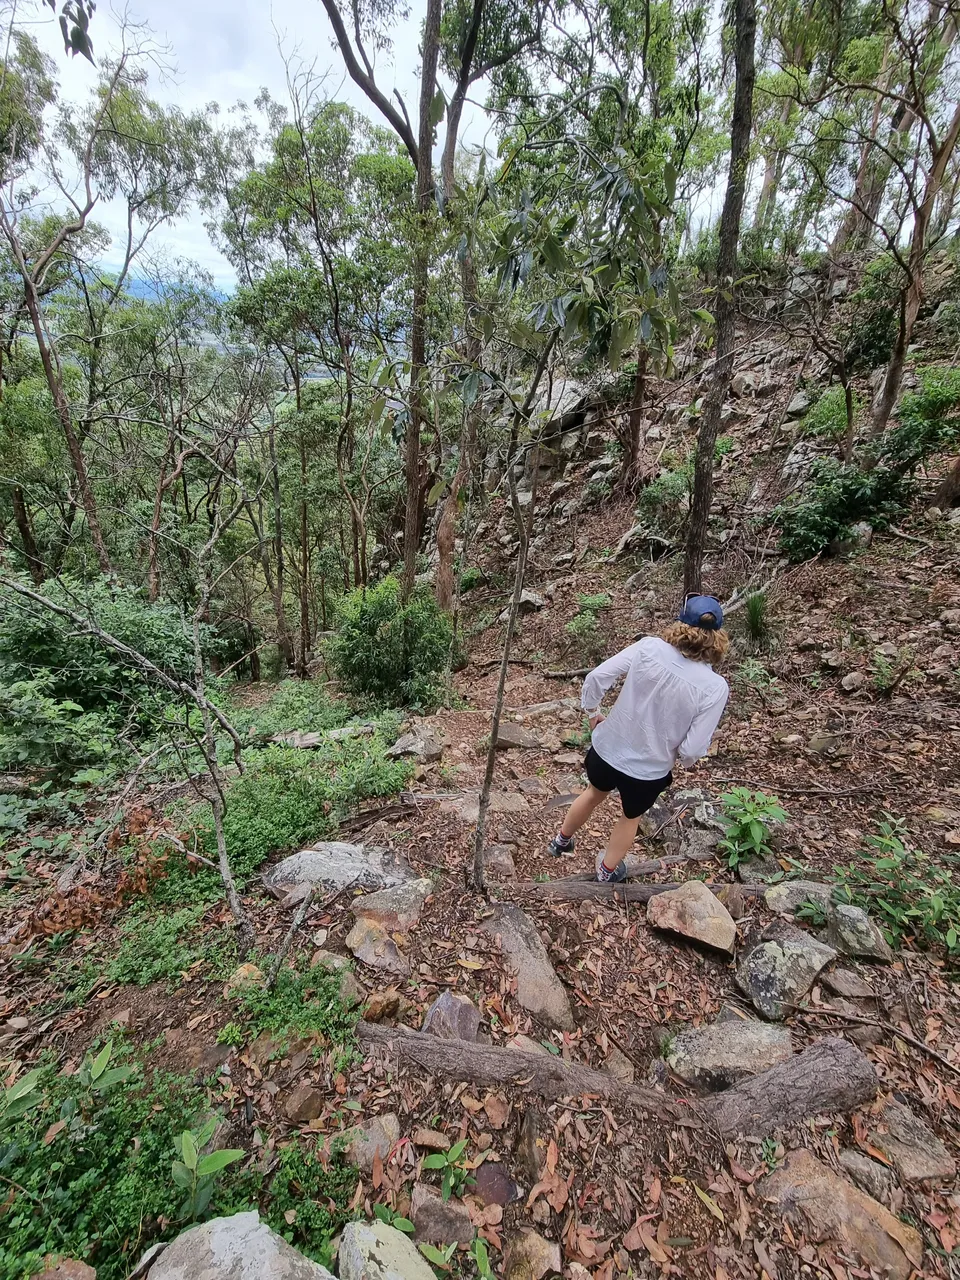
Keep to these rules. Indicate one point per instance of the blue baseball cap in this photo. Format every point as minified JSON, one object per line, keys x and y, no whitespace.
{"x":701,"y":611}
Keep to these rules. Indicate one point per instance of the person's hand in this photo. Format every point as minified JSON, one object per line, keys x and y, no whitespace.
{"x":595,"y":720}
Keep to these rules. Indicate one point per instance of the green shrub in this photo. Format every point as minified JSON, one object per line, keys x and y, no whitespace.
{"x":873,"y":317}
{"x":309,"y":1200}
{"x":471,"y":578}
{"x":100,"y":1188}
{"x":928,"y":421}
{"x":747,"y":817}
{"x":301,"y":1002}
{"x":392,"y":652}
{"x":295,"y":706}
{"x":828,"y":417}
{"x":40,"y":729}
{"x":666,"y":500}
{"x":583,"y":625}
{"x":285,"y":799}
{"x":35,"y":643}
{"x":756,"y":615}
{"x":161,"y":947}
{"x":834,"y":498}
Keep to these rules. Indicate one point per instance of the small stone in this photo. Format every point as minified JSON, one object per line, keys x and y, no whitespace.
{"x":532,"y":786}
{"x":510,"y":735}
{"x":498,"y":861}
{"x":870,"y":1176}
{"x":304,"y":1104}
{"x":20,"y":1024}
{"x":618,"y":1065}
{"x":693,"y":911}
{"x":853,"y":681}
{"x":374,"y":947}
{"x":916,"y":1152}
{"x":240,"y":1247}
{"x":335,"y":865}
{"x":851,"y":931}
{"x":431,"y":1139}
{"x":452,"y":1017}
{"x":721,"y":1055}
{"x":376,"y":1251}
{"x":778,"y":973}
{"x":382,"y":1006}
{"x":526,"y":1045}
{"x":539,"y":990}
{"x":65,"y":1269}
{"x":789,"y":895}
{"x":377,"y":1137}
{"x":396,"y":909}
{"x":438,"y":1221}
{"x":844,"y":982}
{"x":799,"y":405}
{"x":245,"y":978}
{"x":831,"y":1209}
{"x":422,"y":744}
{"x":529,"y":1256}
{"x":493,"y":1186}
{"x":888,"y":650}
{"x":569,"y":759}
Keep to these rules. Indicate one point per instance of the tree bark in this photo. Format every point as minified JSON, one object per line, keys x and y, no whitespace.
{"x":574,"y":890}
{"x":829,"y":1077}
{"x":632,"y":474}
{"x":911,"y":296}
{"x":726,"y":315}
{"x":421,"y":283}
{"x":21,"y":518}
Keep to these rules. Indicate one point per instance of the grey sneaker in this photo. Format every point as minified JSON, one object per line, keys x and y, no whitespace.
{"x":616,"y":876}
{"x":560,"y":845}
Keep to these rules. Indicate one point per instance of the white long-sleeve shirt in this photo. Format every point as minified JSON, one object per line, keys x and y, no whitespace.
{"x":668,"y":708}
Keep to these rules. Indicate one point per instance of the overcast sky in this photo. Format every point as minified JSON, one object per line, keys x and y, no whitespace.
{"x":226,"y":51}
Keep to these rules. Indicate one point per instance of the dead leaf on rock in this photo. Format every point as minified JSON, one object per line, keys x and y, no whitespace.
{"x":497,"y":1109}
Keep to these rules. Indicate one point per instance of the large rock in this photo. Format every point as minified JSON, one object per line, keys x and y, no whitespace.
{"x":529,"y":1256}
{"x":799,"y":405}
{"x":64,"y":1269}
{"x":334,"y":865}
{"x":376,"y":1138}
{"x":869,"y":1175}
{"x":452,"y":1017}
{"x":237,"y":1248}
{"x":639,"y":539}
{"x":514,"y":735}
{"x":467,"y":806}
{"x":828,"y":1208}
{"x":851,"y":931}
{"x":439,"y":1221}
{"x":539,"y":990}
{"x":789,"y":895}
{"x":374,"y":947}
{"x":530,"y":602}
{"x":374,"y":1251}
{"x":910,"y":1144}
{"x":304,"y":1104}
{"x":397,"y":909}
{"x":718,"y":1056}
{"x":692,"y":910}
{"x":422,"y":743}
{"x":778,"y":973}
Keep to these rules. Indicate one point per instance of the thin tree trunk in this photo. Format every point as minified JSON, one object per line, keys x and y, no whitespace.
{"x":524,"y":531}
{"x":421,"y":282}
{"x":62,"y":407}
{"x":21,"y":518}
{"x":911,"y":296}
{"x":632,"y":473}
{"x":848,"y":438}
{"x":284,"y":639}
{"x":726,"y":313}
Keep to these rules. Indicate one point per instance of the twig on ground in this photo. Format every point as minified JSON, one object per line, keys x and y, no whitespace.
{"x":575,"y":674}
{"x":884,"y":1026}
{"x":297,"y":921}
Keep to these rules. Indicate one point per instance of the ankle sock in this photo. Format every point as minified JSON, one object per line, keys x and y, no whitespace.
{"x":604,"y":873}
{"x":564,"y":841}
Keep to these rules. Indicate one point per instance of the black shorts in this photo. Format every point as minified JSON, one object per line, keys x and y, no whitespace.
{"x":636,"y":794}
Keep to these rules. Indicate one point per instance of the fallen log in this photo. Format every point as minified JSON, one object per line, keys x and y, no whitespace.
{"x":638,"y":867}
{"x":829,"y":1077}
{"x":482,"y":1064}
{"x":574,"y":890}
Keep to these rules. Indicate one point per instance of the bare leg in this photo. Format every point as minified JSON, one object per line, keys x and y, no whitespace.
{"x":621,"y":842}
{"x":581,"y":809}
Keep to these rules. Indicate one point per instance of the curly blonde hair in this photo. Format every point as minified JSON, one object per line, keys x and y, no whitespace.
{"x":696,"y":642}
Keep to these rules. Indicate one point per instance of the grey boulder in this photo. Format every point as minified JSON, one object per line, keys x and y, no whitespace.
{"x":719,"y":1056}
{"x":237,"y":1248}
{"x":851,"y":931}
{"x":539,"y":990}
{"x":778,"y":973}
{"x":331,"y":864}
{"x":375,"y":1251}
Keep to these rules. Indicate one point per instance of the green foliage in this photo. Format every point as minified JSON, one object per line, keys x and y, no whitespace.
{"x":747,"y":817}
{"x":756,"y":615}
{"x":195,"y":1173}
{"x":666,"y":500}
{"x":454,"y":1176}
{"x":301,"y":1002}
{"x":87,"y":1167}
{"x":393,"y":1219}
{"x":915,"y":898}
{"x":295,"y":706}
{"x":751,"y":673}
{"x":232,"y":1034}
{"x":812,"y":913}
{"x":392,"y":652}
{"x":828,"y":417}
{"x":158,"y":947}
{"x":834,"y":498}
{"x":873,"y":321}
{"x":481,"y":1258}
{"x":439,"y":1257}
{"x":317,"y":1189}
{"x":471,"y":578}
{"x":928,"y":421}
{"x":41,"y":730}
{"x":583,"y":625}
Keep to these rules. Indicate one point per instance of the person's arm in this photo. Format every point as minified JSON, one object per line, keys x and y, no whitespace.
{"x":603,"y":678}
{"x":701,"y":731}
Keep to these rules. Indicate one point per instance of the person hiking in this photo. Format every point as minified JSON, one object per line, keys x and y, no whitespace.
{"x":670,"y":704}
